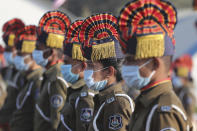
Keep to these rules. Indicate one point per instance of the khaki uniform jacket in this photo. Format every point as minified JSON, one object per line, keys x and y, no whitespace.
{"x":159,"y":109}
{"x":8,"y":73}
{"x":112,"y":110}
{"x":188,"y":100}
{"x":78,"y":110}
{"x":14,"y":80}
{"x":3,"y":92}
{"x":22,"y":119}
{"x":53,"y":95}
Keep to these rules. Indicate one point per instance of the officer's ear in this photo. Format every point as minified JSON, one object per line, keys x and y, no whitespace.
{"x":48,"y":53}
{"x":84,"y":66}
{"x":53,"y":55}
{"x":110,"y":71}
{"x":62,"y":57}
{"x":156,"y":64}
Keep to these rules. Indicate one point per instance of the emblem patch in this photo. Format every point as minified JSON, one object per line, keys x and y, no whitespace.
{"x":56,"y":101}
{"x":165,"y":108}
{"x":115,"y":122}
{"x":110,"y":100}
{"x":83,"y":94}
{"x":86,"y":114}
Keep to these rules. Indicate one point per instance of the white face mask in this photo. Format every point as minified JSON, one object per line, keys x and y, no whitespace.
{"x":97,"y":86}
{"x":132,"y":77}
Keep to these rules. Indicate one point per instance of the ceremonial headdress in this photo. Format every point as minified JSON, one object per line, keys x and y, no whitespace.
{"x":99,"y":37}
{"x":52,"y":29}
{"x":146,"y":28}
{"x":26,"y":39}
{"x":183,"y":65}
{"x":9,"y":31}
{"x":72,"y":46}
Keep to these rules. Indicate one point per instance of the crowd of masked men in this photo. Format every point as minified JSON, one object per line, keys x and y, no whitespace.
{"x":103,"y":73}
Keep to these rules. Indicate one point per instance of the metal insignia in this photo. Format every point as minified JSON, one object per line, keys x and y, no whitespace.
{"x":56,"y":101}
{"x":115,"y":122}
{"x":110,"y":100}
{"x":168,"y":129}
{"x":83,"y":94}
{"x":86,"y":114}
{"x":41,"y":78}
{"x":165,"y":108}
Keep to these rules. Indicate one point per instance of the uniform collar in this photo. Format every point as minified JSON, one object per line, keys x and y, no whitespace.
{"x":110,"y":91}
{"x":54,"y":63}
{"x":86,"y":89}
{"x":32,"y":74}
{"x":147,"y":97}
{"x":78,"y":84}
{"x":151,"y":85}
{"x":53,"y":72}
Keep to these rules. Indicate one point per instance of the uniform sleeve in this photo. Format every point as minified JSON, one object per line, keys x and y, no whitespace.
{"x":57,"y":99}
{"x":3,"y":95}
{"x":169,"y":121}
{"x":84,"y":112}
{"x":117,"y":115}
{"x":189,"y":104}
{"x":20,"y":82}
{"x":67,"y":122}
{"x":36,"y":87}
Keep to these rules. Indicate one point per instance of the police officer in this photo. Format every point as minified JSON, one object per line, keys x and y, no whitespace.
{"x":147,"y":39}
{"x":53,"y":26}
{"x":2,"y":59}
{"x":113,"y":107}
{"x":22,"y":118}
{"x":78,"y":110}
{"x":182,"y":68}
{"x":9,"y":73}
{"x":3,"y":92}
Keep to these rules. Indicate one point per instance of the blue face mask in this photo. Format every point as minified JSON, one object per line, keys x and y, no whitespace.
{"x":97,"y":86}
{"x":20,"y":64}
{"x":38,"y":57}
{"x":9,"y":57}
{"x":68,"y":75}
{"x":132,"y":77}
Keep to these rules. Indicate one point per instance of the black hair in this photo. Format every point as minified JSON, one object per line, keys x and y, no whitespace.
{"x":42,"y":37}
{"x":59,"y":52}
{"x":5,"y":39}
{"x":167,"y":61}
{"x":116,"y":63}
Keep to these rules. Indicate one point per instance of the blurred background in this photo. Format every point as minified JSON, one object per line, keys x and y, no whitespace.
{"x":30,"y":11}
